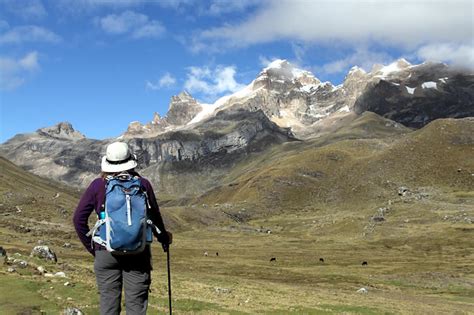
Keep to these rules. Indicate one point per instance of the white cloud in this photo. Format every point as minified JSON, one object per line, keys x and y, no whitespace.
{"x":136,"y":25}
{"x":28,"y":33}
{"x":14,"y":72}
{"x":167,"y":80}
{"x":212,"y":82}
{"x":401,"y":22}
{"x":457,"y":55}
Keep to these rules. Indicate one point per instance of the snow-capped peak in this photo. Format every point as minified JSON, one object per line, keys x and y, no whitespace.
{"x":356,"y":69}
{"x":281,"y":69}
{"x":395,"y":66}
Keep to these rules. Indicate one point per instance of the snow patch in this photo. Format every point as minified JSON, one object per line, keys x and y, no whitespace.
{"x":410,"y":90}
{"x":209,"y":109}
{"x":429,"y":85}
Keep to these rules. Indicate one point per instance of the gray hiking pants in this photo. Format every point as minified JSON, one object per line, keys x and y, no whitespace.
{"x":133,"y":272}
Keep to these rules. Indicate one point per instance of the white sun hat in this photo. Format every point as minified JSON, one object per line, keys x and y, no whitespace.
{"x":118,"y":158}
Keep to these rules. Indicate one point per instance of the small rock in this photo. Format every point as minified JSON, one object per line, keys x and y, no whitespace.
{"x":362,"y":290}
{"x":403,"y":191}
{"x":41,"y":269}
{"x":72,"y":311}
{"x":45,"y":252}
{"x":222,"y":290}
{"x":378,"y":218}
{"x":11,"y":269}
{"x":67,"y":245}
{"x":60,"y":274}
{"x":69,"y":298}
{"x":22,"y":264}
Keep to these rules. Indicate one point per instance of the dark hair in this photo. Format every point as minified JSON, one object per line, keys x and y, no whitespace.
{"x":131,"y":172}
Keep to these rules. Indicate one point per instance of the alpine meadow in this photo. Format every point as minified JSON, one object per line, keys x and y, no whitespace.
{"x":305,"y":187}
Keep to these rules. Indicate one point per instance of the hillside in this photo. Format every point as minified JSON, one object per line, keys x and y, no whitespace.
{"x":338,"y":198}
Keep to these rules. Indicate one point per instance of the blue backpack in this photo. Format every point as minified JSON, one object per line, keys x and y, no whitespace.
{"x":123,"y":226}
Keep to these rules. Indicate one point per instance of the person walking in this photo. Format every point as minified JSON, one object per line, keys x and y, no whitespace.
{"x":114,"y":271}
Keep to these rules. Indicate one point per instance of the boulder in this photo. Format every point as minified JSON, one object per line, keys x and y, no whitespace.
{"x":44,"y":252}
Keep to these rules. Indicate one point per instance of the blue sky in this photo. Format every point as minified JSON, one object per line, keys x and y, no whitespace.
{"x":101,"y":64}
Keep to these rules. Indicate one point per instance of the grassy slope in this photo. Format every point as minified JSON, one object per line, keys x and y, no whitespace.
{"x":318,"y":198}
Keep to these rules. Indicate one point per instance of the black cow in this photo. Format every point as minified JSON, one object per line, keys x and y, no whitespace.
{"x":273,"y":259}
{"x":364,"y":263}
{"x":321,"y":260}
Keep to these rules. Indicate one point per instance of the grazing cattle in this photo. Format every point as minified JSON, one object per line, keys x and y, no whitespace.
{"x":273,"y":259}
{"x":321,"y":260}
{"x":217,"y":254}
{"x":364,"y":263}
{"x":205,"y":254}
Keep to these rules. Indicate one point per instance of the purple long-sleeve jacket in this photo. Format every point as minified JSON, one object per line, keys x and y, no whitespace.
{"x":93,"y":198}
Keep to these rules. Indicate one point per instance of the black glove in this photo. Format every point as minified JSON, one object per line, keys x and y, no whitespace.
{"x":165,"y":238}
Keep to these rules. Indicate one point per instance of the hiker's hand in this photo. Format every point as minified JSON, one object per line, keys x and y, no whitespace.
{"x":166,"y":240}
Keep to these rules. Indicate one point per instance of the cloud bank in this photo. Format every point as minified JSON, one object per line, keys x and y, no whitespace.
{"x":402,"y":24}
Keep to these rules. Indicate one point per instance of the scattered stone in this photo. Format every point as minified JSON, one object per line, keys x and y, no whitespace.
{"x":41,"y":269}
{"x":378,"y":218}
{"x":60,"y":274}
{"x":69,"y":299}
{"x":11,"y":269}
{"x":67,"y":284}
{"x":72,"y":311}
{"x":67,"y":245}
{"x":20,"y":263}
{"x":22,"y":229}
{"x":403,"y":191}
{"x":18,"y":209}
{"x":56,"y":196}
{"x":44,"y":252}
{"x":363,"y":291}
{"x":40,"y":242}
{"x":222,"y":290}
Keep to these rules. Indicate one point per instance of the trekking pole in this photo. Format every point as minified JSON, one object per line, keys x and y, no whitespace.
{"x":169,"y":278}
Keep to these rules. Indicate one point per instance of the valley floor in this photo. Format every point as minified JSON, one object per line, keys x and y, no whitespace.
{"x":419,"y":261}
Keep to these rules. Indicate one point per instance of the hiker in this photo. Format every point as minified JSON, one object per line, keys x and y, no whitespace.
{"x":116,"y":268}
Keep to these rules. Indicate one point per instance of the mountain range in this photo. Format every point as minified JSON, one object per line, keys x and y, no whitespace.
{"x":284,"y":104}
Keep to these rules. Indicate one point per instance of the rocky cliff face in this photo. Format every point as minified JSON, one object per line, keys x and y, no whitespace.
{"x":77,"y":161}
{"x":417,"y":100}
{"x":63,"y":130}
{"x":182,"y":109}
